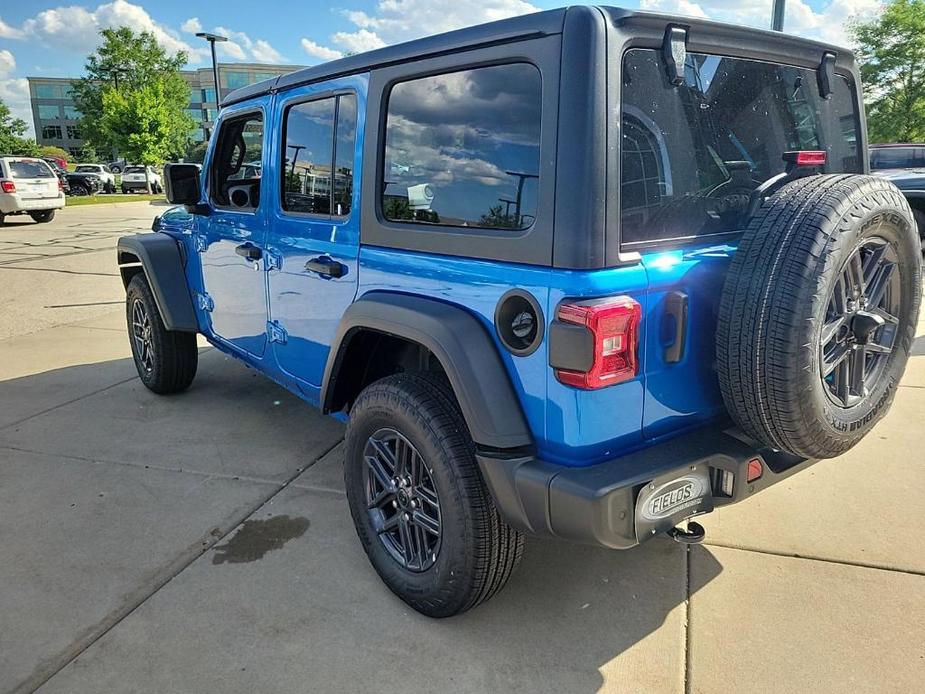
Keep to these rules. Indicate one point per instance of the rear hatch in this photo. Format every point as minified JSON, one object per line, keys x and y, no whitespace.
{"x":34,"y":179}
{"x":133,"y":174}
{"x":691,"y":156}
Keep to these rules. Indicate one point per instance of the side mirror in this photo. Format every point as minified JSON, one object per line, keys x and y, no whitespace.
{"x":181,"y":183}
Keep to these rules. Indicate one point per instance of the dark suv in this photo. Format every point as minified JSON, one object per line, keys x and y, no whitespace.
{"x":585,"y":273}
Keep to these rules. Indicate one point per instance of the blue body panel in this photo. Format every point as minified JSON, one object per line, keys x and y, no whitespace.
{"x":569,"y":426}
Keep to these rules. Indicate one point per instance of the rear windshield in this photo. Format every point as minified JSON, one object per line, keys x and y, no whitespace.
{"x":134,"y":169}
{"x":30,"y":169}
{"x":88,"y":169}
{"x":692,"y":154}
{"x":897,"y":157}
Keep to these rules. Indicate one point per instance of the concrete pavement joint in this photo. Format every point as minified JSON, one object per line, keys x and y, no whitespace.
{"x":64,"y":404}
{"x":825,"y":560}
{"x":45,"y":672}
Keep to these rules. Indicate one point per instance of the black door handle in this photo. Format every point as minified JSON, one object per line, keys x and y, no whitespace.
{"x":326,"y":266}
{"x":249,"y":251}
{"x":676,"y":325}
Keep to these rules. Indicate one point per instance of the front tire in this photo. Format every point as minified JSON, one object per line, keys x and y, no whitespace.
{"x":420,"y":507}
{"x":166,"y":360}
{"x":42,"y":217}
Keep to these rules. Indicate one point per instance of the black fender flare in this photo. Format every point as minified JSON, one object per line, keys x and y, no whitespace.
{"x":162,"y":261}
{"x":461,"y":345}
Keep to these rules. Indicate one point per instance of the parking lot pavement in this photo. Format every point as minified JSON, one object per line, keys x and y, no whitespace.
{"x":202,"y":542}
{"x":63,"y":271}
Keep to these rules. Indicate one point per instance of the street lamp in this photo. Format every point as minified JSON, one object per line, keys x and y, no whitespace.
{"x":212,"y":38}
{"x":777,"y":15}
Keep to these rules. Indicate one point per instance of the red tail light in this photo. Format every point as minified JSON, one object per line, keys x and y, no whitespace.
{"x":805,"y":158}
{"x":60,"y":185}
{"x":7,"y":186}
{"x":614,"y":327}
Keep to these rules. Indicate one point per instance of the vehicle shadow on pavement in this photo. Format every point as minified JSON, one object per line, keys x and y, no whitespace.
{"x":573,"y":618}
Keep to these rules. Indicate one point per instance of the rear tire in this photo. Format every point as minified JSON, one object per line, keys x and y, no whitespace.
{"x":474,"y":552}
{"x":166,"y":360}
{"x":42,"y":217}
{"x":818,"y":313}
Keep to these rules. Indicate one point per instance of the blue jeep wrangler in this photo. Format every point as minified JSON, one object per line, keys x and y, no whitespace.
{"x":586,"y":274}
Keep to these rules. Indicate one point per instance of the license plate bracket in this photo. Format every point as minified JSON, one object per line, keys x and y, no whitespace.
{"x":669,"y":499}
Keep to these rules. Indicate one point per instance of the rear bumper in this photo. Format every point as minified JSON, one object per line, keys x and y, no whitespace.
{"x":10,"y":204}
{"x":137,"y":185}
{"x":597,"y":504}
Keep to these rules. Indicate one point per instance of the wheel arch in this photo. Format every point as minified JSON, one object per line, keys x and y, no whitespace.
{"x":456,"y":340}
{"x":160,"y":258}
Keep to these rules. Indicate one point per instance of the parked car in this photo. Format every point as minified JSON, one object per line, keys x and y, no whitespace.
{"x":61,"y":173}
{"x":117,"y":166}
{"x":57,"y":162}
{"x":29,"y":186}
{"x":902,"y":156}
{"x":561,"y":274}
{"x":107,"y":177}
{"x":133,"y":179}
{"x":84,"y":183}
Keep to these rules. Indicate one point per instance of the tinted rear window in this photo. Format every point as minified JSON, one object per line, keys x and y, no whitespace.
{"x":897,"y":157}
{"x":692,"y":154}
{"x":134,"y":169}
{"x":88,"y":169}
{"x":30,"y":169}
{"x":462,"y":148}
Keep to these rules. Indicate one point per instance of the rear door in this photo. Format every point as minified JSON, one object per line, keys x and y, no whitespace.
{"x":34,"y":179}
{"x":691,"y":156}
{"x":313,"y":238}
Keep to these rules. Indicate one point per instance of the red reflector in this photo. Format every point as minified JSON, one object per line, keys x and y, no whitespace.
{"x":806,"y":158}
{"x":614,"y":326}
{"x":755,"y":470}
{"x":7,"y":186}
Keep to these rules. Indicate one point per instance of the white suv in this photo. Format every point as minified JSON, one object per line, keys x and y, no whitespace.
{"x":29,"y":186}
{"x":133,"y":178}
{"x":102,"y":170}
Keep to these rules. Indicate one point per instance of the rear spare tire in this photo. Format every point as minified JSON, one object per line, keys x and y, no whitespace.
{"x":818,"y":313}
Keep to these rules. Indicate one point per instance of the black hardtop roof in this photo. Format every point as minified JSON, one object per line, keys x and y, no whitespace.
{"x":502,"y":31}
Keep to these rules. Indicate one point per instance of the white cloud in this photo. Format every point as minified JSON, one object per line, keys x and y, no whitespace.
{"x":191,"y":26}
{"x":394,"y":21}
{"x":316,"y":50}
{"x":8,"y":32}
{"x":827,"y":24}
{"x":358,"y":41}
{"x":263,"y":52}
{"x":14,"y":91}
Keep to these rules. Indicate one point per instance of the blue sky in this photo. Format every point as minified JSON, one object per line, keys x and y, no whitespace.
{"x":49,"y":38}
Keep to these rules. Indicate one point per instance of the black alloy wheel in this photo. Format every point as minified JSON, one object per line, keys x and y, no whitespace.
{"x":142,"y":335}
{"x":402,"y":500}
{"x":861,"y":322}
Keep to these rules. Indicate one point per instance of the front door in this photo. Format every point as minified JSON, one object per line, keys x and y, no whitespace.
{"x":314,"y":233}
{"x":231,"y":237}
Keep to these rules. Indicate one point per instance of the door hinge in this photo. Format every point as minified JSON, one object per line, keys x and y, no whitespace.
{"x":276,"y":332}
{"x":200,"y":243}
{"x":206,"y":303}
{"x":274,"y":260}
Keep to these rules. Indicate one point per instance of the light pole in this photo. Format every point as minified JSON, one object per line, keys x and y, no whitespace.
{"x":212,"y":38}
{"x":777,"y":15}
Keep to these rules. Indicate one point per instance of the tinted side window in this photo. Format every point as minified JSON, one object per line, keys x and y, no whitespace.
{"x":463,"y":148}
{"x":318,"y":170}
{"x":236,"y":164}
{"x":692,"y":154}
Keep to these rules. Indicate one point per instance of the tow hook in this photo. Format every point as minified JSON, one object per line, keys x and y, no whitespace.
{"x":692,"y":536}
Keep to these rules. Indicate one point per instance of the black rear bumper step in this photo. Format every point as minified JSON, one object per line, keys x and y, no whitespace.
{"x":597,"y":503}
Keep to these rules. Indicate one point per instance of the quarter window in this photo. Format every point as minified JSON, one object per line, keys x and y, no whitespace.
{"x":463,"y":148}
{"x":318,"y":168}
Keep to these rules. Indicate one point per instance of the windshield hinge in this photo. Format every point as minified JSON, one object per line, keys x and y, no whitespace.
{"x":274,"y":260}
{"x":276,"y":333}
{"x":674,"y":53}
{"x":825,"y":74}
{"x":205,"y":302}
{"x":200,"y":244}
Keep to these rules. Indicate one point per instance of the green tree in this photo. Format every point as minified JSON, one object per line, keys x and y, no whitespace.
{"x":127,"y":62}
{"x":143,"y":123}
{"x":891,"y":51}
{"x":88,"y":154}
{"x":52,"y":151}
{"x":12,"y":135}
